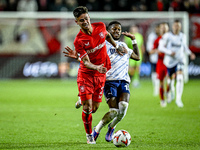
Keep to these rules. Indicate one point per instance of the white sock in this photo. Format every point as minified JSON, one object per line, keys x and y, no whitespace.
{"x":99,"y":126}
{"x":155,"y":83}
{"x":153,"y":77}
{"x":123,"y":106}
{"x":172,"y":86}
{"x":179,"y":86}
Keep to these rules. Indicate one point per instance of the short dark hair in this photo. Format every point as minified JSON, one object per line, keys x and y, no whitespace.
{"x":177,"y":21}
{"x":113,"y":22}
{"x":79,"y":11}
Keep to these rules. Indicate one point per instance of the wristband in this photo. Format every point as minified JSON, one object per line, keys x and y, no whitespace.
{"x":134,"y":41}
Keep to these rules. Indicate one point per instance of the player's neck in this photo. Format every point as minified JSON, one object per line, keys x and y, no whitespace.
{"x":88,"y":31}
{"x":175,"y":32}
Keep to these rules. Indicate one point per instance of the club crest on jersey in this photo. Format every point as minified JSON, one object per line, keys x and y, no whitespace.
{"x":101,"y":35}
{"x":112,"y":50}
{"x":82,"y":88}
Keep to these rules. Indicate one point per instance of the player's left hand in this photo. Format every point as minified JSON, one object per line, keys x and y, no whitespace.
{"x":128,"y":34}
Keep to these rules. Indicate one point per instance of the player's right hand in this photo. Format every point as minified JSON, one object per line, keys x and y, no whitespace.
{"x":101,"y":68}
{"x":70,"y":53}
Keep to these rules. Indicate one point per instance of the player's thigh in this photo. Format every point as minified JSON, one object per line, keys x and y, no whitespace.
{"x":99,"y":83}
{"x":110,"y":89}
{"x":112,"y":102}
{"x":85,"y":84}
{"x":124,"y":91}
{"x":180,"y":68}
{"x":172,"y":71}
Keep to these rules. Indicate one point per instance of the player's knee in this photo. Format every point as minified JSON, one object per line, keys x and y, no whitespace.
{"x":123,"y":106}
{"x":113,"y":112}
{"x":94,"y":109}
{"x":179,"y":77}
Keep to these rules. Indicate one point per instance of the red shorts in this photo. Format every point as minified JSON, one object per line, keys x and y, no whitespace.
{"x":90,"y":86}
{"x":161,"y":70}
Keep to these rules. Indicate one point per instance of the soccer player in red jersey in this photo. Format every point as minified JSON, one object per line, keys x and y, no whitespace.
{"x":161,"y":69}
{"x":90,"y":44}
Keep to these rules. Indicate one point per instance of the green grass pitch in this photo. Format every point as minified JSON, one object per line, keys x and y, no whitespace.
{"x":40,"y":114}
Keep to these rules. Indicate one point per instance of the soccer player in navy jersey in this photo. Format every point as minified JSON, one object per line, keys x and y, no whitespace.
{"x":90,"y":44}
{"x":116,"y":88}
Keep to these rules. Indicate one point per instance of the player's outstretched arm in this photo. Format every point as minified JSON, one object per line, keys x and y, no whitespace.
{"x":71,"y":53}
{"x":135,"y":54}
{"x":120,"y":49}
{"x":89,"y":65}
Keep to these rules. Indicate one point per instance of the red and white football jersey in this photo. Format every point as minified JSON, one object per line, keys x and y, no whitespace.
{"x":94,"y":46}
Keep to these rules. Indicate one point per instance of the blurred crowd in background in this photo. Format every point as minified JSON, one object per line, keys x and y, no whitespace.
{"x":191,"y":6}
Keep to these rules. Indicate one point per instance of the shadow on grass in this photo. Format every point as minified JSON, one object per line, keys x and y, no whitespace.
{"x":64,"y":145}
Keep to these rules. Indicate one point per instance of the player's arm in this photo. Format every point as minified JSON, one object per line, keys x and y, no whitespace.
{"x":71,"y":53}
{"x":119,"y":48}
{"x":162,"y":47}
{"x":153,"y":51}
{"x":135,"y":54}
{"x":187,"y":50}
{"x":89,"y":65}
{"x":155,"y":47}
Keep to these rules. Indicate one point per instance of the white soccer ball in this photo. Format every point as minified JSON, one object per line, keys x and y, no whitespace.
{"x":121,"y":138}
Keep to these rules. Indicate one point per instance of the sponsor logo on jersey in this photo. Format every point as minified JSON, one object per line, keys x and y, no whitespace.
{"x":96,"y":48}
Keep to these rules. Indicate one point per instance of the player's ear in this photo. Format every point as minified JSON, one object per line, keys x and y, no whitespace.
{"x":76,"y":21}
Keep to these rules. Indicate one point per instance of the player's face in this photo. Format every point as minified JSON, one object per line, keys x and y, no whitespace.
{"x":176,"y":27}
{"x":115,"y":31}
{"x":166,"y":28}
{"x":163,"y":28}
{"x":83,"y":21}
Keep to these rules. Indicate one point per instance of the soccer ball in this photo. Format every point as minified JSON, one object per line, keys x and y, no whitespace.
{"x":121,"y":138}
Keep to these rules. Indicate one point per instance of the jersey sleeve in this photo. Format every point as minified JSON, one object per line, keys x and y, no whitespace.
{"x":162,"y":44}
{"x":150,"y":41}
{"x":79,"y":48}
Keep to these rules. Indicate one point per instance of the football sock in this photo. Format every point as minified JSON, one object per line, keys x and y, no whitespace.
{"x":155,"y":83}
{"x":179,"y":86}
{"x":123,"y":106}
{"x":161,"y":93}
{"x":168,"y":85}
{"x":156,"y":88}
{"x":87,"y":120}
{"x":106,"y":119}
{"x":172,"y":86}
